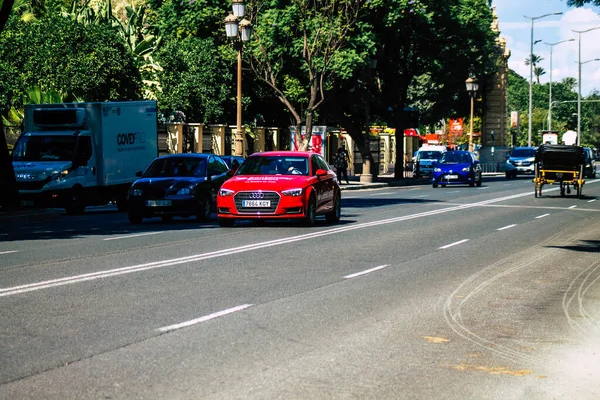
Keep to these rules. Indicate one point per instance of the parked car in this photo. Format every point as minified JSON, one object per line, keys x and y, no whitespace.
{"x":457,"y":168}
{"x":177,"y":185}
{"x":233,"y":162}
{"x":425,"y":158}
{"x":589,"y":169}
{"x":520,"y":161}
{"x":280,"y":185}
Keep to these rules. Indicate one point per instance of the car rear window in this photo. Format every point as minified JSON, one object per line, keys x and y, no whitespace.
{"x":523,"y":153}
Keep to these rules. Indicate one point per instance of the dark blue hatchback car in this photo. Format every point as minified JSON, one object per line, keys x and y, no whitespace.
{"x":177,"y":185}
{"x":457,"y":168}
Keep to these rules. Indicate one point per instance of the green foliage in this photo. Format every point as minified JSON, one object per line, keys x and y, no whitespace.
{"x":184,"y":18}
{"x":581,"y":3}
{"x":56,"y":53}
{"x":194,"y":79}
{"x":300,"y":48}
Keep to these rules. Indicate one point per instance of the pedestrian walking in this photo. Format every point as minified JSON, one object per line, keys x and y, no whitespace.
{"x":340,"y":162}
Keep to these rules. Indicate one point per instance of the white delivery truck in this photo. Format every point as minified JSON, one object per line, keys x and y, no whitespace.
{"x":73,"y":155}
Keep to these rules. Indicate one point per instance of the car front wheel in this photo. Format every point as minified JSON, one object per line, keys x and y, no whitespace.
{"x":335,"y":214}
{"x":134,"y":217}
{"x":311,"y":211}
{"x":205,"y":210}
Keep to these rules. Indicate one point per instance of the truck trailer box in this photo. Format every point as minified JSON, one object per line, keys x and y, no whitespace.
{"x":73,"y":155}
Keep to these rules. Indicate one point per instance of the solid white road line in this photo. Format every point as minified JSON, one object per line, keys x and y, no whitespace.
{"x":8,"y":252}
{"x":541,"y":216}
{"x":506,"y":227}
{"x":203,"y":319}
{"x":135,"y":235}
{"x":454,"y":244}
{"x":365,"y":272}
{"x":423,"y":195}
{"x":381,"y":194}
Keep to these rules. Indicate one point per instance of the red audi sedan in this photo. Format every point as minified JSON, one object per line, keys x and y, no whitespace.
{"x":280,"y":185}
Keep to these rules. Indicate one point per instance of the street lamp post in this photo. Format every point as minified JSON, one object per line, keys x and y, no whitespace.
{"x":472,"y":87}
{"x":239,"y":32}
{"x":550,"y":90}
{"x":579,"y":82}
{"x":531,"y":72}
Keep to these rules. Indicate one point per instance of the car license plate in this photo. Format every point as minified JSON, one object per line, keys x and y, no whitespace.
{"x":256,"y":203}
{"x":452,"y":176}
{"x":158,"y":203}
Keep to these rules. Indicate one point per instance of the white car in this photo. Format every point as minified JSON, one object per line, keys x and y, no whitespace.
{"x":425,"y":160}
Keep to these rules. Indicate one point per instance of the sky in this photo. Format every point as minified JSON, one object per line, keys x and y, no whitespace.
{"x":516,"y":29}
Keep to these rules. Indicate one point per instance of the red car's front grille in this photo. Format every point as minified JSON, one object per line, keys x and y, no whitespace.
{"x":272,"y":197}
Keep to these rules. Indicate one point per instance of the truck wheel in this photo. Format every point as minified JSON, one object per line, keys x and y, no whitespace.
{"x":76,"y":203}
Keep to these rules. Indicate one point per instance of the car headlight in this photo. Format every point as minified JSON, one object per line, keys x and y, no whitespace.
{"x":225,"y":192}
{"x":136,"y":192}
{"x":292,"y":192}
{"x":588,"y":165}
{"x":466,"y":169}
{"x":186,"y":191}
{"x":437,"y":170}
{"x":57,"y":176}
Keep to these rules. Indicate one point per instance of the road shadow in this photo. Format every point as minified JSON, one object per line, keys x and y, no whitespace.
{"x":586,"y":246}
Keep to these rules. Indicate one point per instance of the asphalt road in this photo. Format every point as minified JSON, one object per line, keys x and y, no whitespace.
{"x":418,"y":293}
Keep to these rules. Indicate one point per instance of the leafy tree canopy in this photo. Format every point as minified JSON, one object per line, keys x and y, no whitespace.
{"x":56,"y":53}
{"x":581,"y":3}
{"x":194,"y":79}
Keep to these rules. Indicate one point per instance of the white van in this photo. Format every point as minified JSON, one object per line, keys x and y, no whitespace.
{"x":425,"y":159}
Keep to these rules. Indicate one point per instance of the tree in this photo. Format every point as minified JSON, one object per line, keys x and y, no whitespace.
{"x":56,"y":53}
{"x":10,"y":199}
{"x":192,"y":79}
{"x":298,"y":48}
{"x":425,"y":45}
{"x":581,"y":3}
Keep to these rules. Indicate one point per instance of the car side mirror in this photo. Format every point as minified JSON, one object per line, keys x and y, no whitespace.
{"x":321,"y":172}
{"x":139,"y":174}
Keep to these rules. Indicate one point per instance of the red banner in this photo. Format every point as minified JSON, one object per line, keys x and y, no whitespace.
{"x":456,"y":127}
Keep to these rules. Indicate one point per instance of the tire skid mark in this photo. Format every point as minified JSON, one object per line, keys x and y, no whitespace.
{"x":484,"y":279}
{"x":576,"y":294}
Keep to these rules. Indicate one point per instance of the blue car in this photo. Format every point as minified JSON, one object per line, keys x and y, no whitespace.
{"x":457,"y":168}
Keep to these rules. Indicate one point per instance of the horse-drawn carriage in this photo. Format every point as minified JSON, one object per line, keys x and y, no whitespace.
{"x":559,"y":164}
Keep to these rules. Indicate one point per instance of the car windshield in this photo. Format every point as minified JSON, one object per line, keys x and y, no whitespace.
{"x":176,"y":167}
{"x":274,"y":165}
{"x":449,"y":158}
{"x":429,"y":155}
{"x":524,"y":153}
{"x":45,"y":148}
